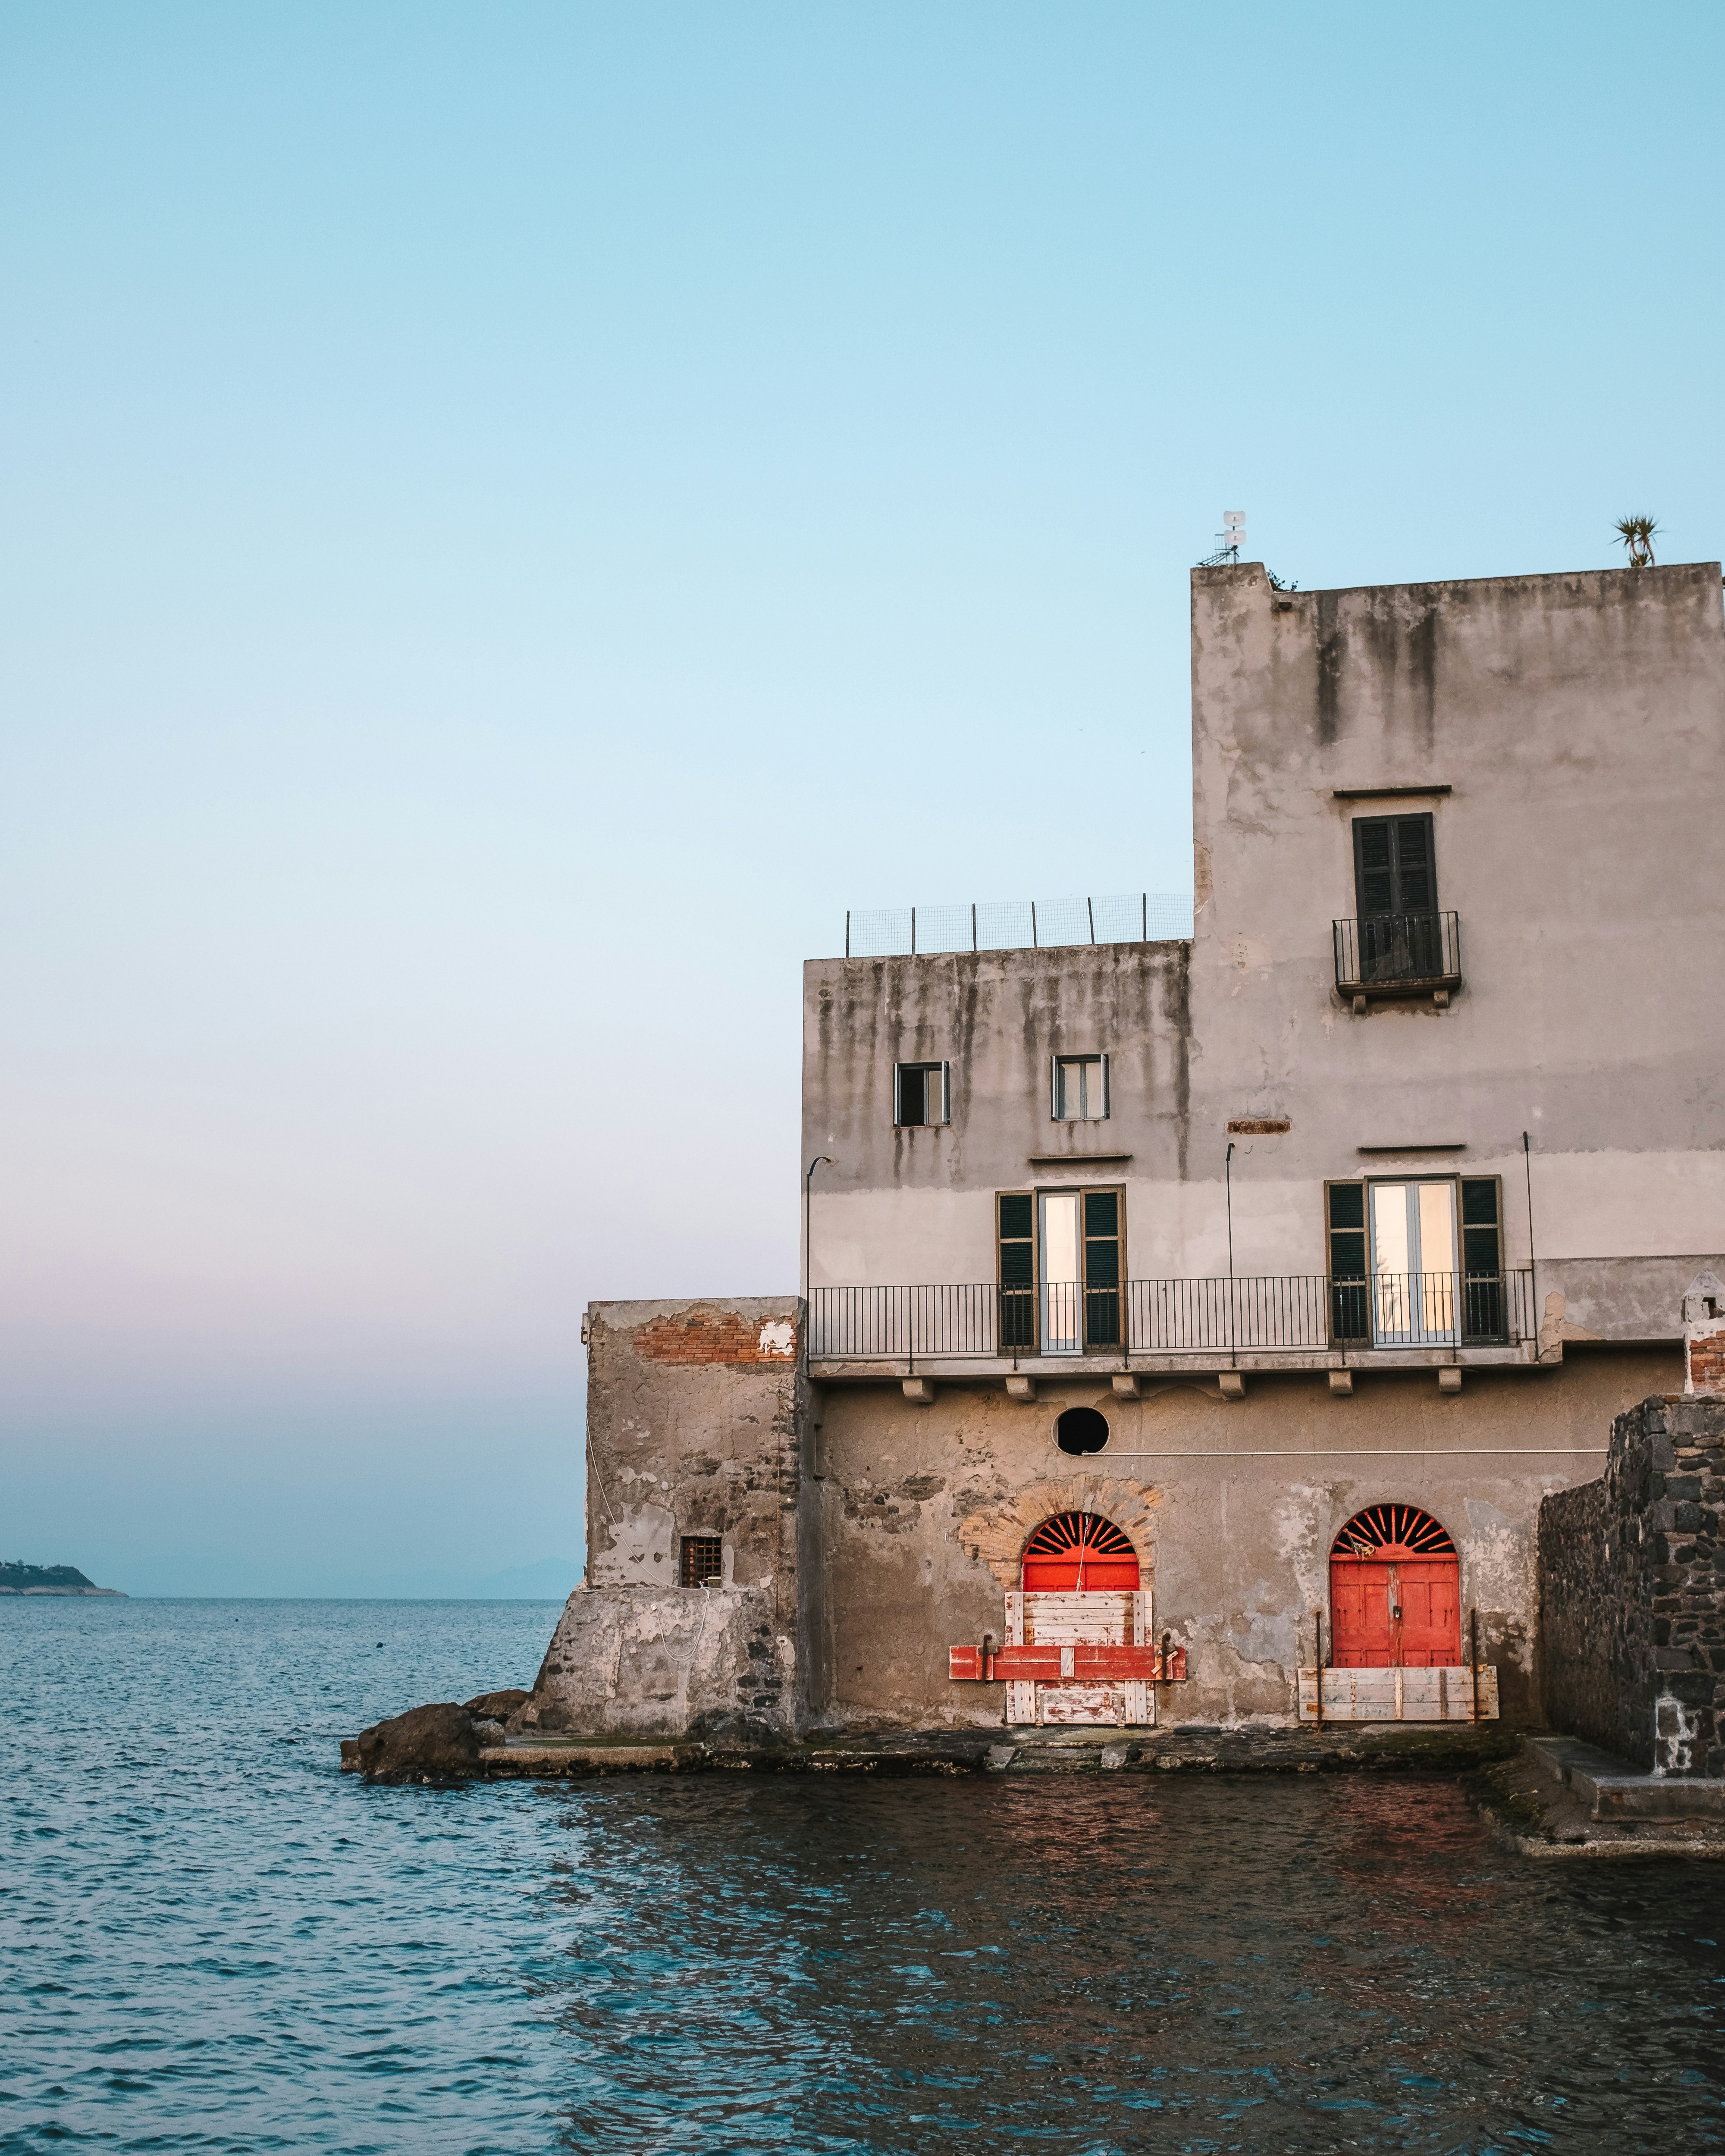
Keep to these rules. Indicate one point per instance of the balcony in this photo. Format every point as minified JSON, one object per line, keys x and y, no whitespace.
{"x":1289,"y":1321}
{"x":1397,"y":954}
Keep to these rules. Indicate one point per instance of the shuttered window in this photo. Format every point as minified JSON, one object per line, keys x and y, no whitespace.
{"x":1016,"y":1215}
{"x":1346,"y":1229}
{"x":1394,"y":869}
{"x":1481,"y":1228}
{"x":1484,"y":1310}
{"x":1345,"y":1249}
{"x":1102,"y":1269}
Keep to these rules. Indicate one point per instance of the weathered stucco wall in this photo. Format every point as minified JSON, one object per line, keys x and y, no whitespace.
{"x":923,"y":1196}
{"x":1235,"y":1509}
{"x":1578,"y":723}
{"x":1575,"y":728}
{"x":694,"y":1425}
{"x":1632,"y":1589}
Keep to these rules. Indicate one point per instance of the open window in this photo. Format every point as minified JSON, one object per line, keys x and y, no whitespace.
{"x":1062,"y":1273}
{"x":921,"y":1093}
{"x":1415,"y":1261}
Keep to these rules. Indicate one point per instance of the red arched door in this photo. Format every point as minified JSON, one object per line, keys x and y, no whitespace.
{"x":1080,"y":1554}
{"x":1395,"y":1592}
{"x":1080,"y":1589}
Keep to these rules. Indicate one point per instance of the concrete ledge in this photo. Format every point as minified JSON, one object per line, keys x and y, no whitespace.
{"x":1097,"y":1369}
{"x":545,"y":1756}
{"x":1266,"y":1749}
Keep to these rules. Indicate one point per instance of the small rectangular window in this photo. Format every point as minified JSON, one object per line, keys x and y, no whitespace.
{"x":703,"y":1559}
{"x":921,"y":1093}
{"x":1080,"y":1089}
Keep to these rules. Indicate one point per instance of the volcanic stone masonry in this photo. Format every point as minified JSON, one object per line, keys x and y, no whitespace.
{"x":1632,"y":1591}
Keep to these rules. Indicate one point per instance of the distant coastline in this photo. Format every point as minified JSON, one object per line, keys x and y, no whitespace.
{"x":18,"y":1578}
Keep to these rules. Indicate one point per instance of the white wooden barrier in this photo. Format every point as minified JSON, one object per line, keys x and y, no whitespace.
{"x":1440,"y":1695}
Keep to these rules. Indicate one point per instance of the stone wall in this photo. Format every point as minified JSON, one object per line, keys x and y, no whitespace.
{"x":696,"y":1416}
{"x":1632,"y":1591}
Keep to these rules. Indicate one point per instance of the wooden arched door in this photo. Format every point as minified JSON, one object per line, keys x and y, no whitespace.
{"x":1081,"y":1586}
{"x":1395,"y":1592}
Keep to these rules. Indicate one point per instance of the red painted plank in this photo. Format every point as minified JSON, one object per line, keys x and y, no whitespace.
{"x":1086,"y":1664}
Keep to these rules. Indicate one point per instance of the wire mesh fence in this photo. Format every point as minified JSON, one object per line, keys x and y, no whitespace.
{"x":1019,"y":924}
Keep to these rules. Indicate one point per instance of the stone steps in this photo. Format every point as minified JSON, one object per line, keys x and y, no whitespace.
{"x":1614,"y":1789}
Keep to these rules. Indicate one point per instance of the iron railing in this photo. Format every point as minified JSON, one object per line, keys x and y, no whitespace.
{"x":1261,"y":1312}
{"x":1396,"y":950}
{"x":1024,"y":924}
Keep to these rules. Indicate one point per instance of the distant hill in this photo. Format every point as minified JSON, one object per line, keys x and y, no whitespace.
{"x":17,"y":1578}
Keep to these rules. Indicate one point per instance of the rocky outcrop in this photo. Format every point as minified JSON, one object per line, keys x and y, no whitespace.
{"x":497,"y":1706}
{"x":428,"y":1744}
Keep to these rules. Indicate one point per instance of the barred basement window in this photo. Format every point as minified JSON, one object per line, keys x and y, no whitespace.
{"x":703,"y":1559}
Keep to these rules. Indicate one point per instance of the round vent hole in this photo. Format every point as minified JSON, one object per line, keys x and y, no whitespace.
{"x":1081,"y":1430}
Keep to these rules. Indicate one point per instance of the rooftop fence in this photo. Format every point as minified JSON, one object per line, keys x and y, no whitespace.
{"x":1019,"y":924}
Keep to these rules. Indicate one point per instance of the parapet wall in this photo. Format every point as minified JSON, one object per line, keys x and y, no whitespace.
{"x":1632,"y":1591}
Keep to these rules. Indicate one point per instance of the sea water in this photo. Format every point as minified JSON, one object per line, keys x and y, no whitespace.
{"x":213,"y":1940}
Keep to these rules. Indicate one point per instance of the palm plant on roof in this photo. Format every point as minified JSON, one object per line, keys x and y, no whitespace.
{"x":1637,"y":533}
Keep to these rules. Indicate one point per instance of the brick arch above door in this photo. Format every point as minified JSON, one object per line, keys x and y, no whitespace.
{"x":999,"y":1533}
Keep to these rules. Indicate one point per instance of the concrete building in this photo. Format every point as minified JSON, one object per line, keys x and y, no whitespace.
{"x":1185,"y":1314}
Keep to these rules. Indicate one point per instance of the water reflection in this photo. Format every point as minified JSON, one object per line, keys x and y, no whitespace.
{"x":1086,"y":1966}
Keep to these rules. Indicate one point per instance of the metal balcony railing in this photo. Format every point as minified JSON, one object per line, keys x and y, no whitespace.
{"x":1261,"y":1312}
{"x":1407,"y":953}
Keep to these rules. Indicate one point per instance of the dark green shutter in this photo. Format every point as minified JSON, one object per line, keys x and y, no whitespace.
{"x":1416,"y":887}
{"x":1016,"y":1217}
{"x":1482,"y":1258}
{"x":1345,"y":1244}
{"x":1102,"y":1269}
{"x":1395,"y":866}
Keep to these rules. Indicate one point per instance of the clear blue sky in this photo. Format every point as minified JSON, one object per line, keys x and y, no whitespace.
{"x":516,"y":517}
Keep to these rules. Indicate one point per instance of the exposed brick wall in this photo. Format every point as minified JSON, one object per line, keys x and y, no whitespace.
{"x":708,"y":1333}
{"x":1707,"y":1364}
{"x":1632,"y":1591}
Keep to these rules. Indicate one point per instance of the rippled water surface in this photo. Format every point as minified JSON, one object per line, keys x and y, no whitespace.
{"x":213,"y":1940}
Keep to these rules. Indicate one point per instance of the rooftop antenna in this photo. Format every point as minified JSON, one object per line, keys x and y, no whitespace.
{"x":1233,"y":532}
{"x":1232,"y":537}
